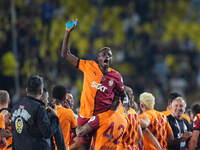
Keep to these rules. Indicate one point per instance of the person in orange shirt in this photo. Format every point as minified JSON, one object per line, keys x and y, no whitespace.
{"x":168,"y":111}
{"x":100,"y":85}
{"x":4,"y":120}
{"x":156,"y":122}
{"x":74,"y":143}
{"x":66,"y":116}
{"x":133,"y":134}
{"x":109,"y":128}
{"x":195,"y":139}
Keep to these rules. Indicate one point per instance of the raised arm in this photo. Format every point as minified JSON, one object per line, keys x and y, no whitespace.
{"x":65,"y":51}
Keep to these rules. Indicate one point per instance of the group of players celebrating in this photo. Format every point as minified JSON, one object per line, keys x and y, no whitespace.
{"x":107,"y":120}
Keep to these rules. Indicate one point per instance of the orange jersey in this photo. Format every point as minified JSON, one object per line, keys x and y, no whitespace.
{"x":2,"y":126}
{"x":159,"y":127}
{"x":98,"y":88}
{"x":67,"y":121}
{"x":9,"y":141}
{"x":131,"y":136}
{"x":121,"y":108}
{"x":8,"y":144}
{"x":168,"y":112}
{"x":2,"y":122}
{"x":111,"y":126}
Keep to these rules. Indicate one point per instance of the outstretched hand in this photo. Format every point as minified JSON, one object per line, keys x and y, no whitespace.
{"x":71,"y":28}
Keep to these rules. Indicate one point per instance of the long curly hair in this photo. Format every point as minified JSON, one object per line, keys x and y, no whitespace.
{"x":131,"y":98}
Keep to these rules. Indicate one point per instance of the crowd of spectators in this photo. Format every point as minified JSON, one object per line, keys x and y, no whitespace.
{"x":155,"y":43}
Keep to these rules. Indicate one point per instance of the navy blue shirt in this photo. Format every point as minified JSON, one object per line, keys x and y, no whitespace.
{"x":32,"y":125}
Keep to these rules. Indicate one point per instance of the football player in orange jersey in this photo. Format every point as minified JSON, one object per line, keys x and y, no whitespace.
{"x":66,"y":116}
{"x":74,"y":143}
{"x":109,"y":127}
{"x":100,"y":85}
{"x":157,"y":123}
{"x":133,"y":134}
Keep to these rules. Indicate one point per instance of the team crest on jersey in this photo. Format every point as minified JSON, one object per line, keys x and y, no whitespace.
{"x":110,"y":83}
{"x":19,"y":125}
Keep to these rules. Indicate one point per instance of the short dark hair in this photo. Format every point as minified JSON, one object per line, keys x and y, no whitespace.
{"x":173,"y":95}
{"x":35,"y":83}
{"x":196,"y":109}
{"x":59,"y":92}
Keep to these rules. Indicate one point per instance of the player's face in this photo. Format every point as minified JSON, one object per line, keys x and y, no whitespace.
{"x":105,"y":59}
{"x":70,"y":99}
{"x":178,"y":107}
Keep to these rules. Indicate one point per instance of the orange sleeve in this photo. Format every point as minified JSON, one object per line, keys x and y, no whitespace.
{"x":2,"y":123}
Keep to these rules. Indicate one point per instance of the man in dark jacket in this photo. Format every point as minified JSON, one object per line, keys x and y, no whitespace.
{"x":180,"y":126}
{"x":32,"y":124}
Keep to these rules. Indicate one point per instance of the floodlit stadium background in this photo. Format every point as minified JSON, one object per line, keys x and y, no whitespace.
{"x":155,"y":43}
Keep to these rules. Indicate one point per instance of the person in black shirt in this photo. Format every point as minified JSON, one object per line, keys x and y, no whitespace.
{"x":180,"y":126}
{"x":32,"y":124}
